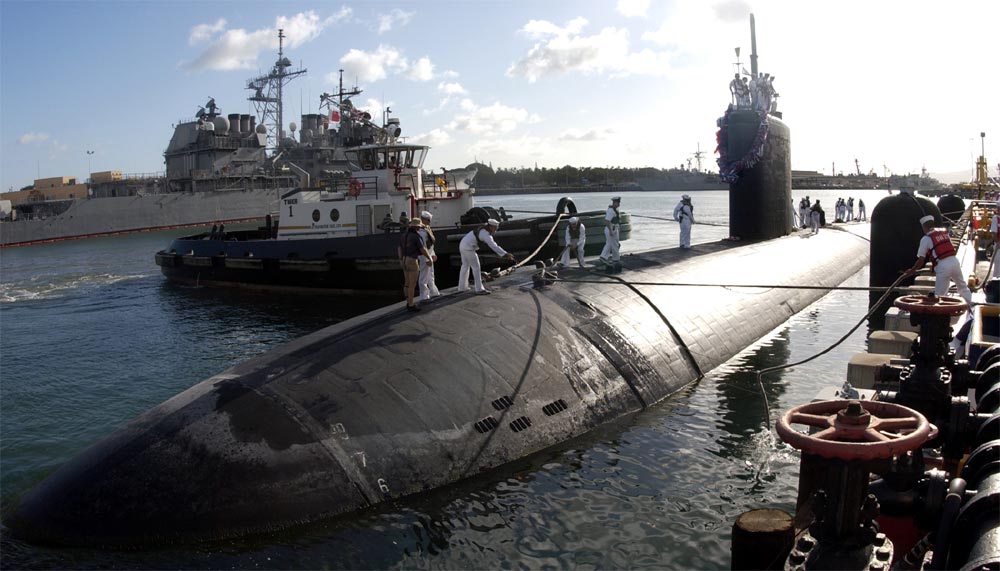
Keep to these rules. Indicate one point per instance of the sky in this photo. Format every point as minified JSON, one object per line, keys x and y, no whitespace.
{"x":88,"y":86}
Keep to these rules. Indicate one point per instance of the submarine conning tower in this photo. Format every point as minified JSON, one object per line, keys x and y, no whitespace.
{"x":760,"y":200}
{"x":755,"y":156}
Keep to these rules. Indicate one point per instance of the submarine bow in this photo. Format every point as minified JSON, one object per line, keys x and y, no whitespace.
{"x":390,"y":403}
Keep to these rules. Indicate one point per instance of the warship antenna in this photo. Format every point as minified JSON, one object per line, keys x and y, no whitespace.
{"x":697,"y":157}
{"x":753,"y":47}
{"x":267,"y":93}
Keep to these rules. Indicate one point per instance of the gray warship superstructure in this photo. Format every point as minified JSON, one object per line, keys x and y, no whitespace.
{"x":218,"y":169}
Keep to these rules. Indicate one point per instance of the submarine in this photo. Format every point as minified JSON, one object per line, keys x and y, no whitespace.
{"x":391,"y":403}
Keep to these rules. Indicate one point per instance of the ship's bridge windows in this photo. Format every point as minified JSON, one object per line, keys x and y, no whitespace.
{"x":414,"y":158}
{"x":363,"y":159}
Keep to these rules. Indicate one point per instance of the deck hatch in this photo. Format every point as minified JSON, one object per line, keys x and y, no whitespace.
{"x":487,"y":424}
{"x":520,"y":424}
{"x":503,"y":402}
{"x":554,"y":407}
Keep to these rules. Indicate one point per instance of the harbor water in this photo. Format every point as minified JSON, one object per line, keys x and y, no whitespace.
{"x":91,"y":335}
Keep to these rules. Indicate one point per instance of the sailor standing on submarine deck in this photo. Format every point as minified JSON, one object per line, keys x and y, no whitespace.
{"x":936,"y":244}
{"x":411,"y":248}
{"x":576,"y":238}
{"x":470,"y":259}
{"x":684,"y":213}
{"x":612,"y":226}
{"x":425,"y":283}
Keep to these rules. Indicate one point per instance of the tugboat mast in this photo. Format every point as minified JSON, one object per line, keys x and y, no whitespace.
{"x":267,"y":94}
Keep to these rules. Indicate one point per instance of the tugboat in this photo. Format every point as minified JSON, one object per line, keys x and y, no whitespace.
{"x":342,"y":236}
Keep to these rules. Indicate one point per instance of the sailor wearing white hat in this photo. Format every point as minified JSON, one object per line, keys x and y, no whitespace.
{"x":470,"y":259}
{"x":576,"y":238}
{"x":684,"y":213}
{"x":425,"y":282}
{"x":936,"y":245}
{"x":612,"y":226}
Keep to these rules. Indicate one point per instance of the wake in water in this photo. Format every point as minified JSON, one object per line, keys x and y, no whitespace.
{"x":45,"y":287}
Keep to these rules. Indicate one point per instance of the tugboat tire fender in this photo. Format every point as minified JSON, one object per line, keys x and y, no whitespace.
{"x":566,"y":203}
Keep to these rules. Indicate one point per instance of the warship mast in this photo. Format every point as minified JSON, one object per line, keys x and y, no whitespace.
{"x":267,"y":92}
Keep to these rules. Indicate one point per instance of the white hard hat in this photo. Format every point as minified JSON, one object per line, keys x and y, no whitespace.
{"x":492,"y":222}
{"x":426,"y":215}
{"x":574,"y":220}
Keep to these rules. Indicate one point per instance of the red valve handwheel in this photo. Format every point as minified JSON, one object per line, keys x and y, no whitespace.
{"x":927,"y":305}
{"x":854,"y":430}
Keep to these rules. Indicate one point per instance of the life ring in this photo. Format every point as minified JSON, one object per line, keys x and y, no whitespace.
{"x":354,"y":188}
{"x":566,"y":203}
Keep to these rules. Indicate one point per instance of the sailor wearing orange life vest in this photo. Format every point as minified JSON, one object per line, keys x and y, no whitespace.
{"x":576,"y":238}
{"x":470,"y":259}
{"x":938,"y":247}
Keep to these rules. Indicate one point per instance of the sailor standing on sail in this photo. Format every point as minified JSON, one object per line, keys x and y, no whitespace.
{"x":576,"y":238}
{"x":612,"y":226}
{"x":936,"y":245}
{"x":684,"y":213}
{"x":470,"y":259}
{"x":425,"y":283}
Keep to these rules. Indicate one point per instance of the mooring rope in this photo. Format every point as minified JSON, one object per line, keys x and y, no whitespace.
{"x":630,"y":214}
{"x":507,"y":271}
{"x":755,"y":286}
{"x":874,"y":308}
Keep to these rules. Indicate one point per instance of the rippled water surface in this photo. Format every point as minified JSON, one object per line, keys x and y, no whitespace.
{"x":91,"y":335}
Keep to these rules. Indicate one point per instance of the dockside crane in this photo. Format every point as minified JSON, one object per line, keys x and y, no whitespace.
{"x":857,"y":166}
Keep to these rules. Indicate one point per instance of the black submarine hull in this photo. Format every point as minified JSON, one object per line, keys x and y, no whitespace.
{"x":392,"y":403}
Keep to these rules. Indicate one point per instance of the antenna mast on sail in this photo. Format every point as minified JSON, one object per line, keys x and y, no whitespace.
{"x":753,"y":47}
{"x":267,"y":92}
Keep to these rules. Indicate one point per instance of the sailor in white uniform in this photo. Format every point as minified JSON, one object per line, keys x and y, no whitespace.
{"x":470,"y":259}
{"x":936,"y":246}
{"x":612,"y":226}
{"x":425,"y":283}
{"x":684,"y":213}
{"x":576,"y":238}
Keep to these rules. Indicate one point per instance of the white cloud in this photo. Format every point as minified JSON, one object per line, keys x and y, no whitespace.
{"x":433,"y":138}
{"x":373,"y":66}
{"x":496,"y":118}
{"x":564,"y":50}
{"x":586,"y":136}
{"x":32,"y":137}
{"x":239,"y":49}
{"x":633,"y":8}
{"x":449,"y":74}
{"x":377,"y":65}
{"x":387,"y":22}
{"x":421,"y":70}
{"x":203,"y":32}
{"x":733,"y":11}
{"x":451,"y":88}
{"x":511,"y":151}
